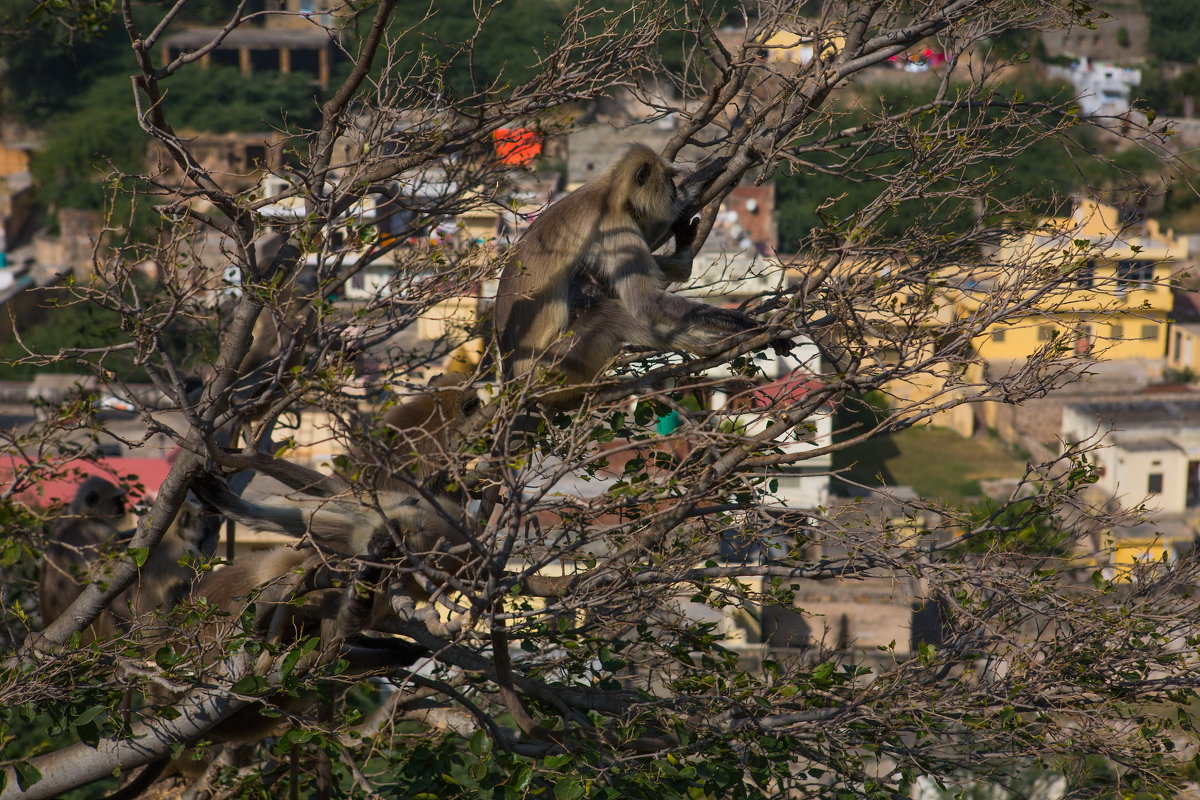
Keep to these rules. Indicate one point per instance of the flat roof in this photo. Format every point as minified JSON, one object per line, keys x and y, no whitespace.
{"x":254,"y":38}
{"x":1182,"y":408}
{"x":1145,"y":445}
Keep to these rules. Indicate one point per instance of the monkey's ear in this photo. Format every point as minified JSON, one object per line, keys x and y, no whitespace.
{"x":643,"y":173}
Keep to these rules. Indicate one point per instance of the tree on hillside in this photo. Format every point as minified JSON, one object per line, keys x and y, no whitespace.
{"x":573,"y":642}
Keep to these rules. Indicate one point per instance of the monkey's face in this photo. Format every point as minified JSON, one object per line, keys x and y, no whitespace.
{"x":197,"y":530}
{"x":99,"y":499}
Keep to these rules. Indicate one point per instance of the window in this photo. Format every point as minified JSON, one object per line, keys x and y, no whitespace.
{"x":264,"y":60}
{"x":1116,"y":332}
{"x":998,"y":336}
{"x":1149,"y":331}
{"x":1155,"y":484}
{"x":1135,"y":275}
{"x":1086,"y":275}
{"x":305,"y":59}
{"x":1045,"y":333}
{"x":1083,"y":339}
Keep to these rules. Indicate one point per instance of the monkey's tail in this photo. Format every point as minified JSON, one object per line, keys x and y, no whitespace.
{"x":149,"y":774}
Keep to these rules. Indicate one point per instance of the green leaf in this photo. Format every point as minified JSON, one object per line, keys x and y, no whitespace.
{"x":27,"y":774}
{"x":166,"y":657}
{"x":568,"y":789}
{"x":89,"y":734}
{"x":554,"y":762}
{"x":477,"y":742}
{"x":89,"y":715}
{"x":524,"y":775}
{"x":250,"y":684}
{"x":139,"y":555}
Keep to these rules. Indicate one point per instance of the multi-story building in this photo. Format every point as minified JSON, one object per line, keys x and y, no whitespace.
{"x":1148,"y":458}
{"x":1151,"y":451}
{"x":1183,"y":337}
{"x":1117,"y":306}
{"x":1104,"y":87}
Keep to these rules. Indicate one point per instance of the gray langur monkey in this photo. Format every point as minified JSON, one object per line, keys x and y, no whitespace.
{"x":274,"y":580}
{"x":287,"y":587}
{"x":418,"y":439}
{"x":583,"y":280}
{"x":429,"y":532}
{"x":95,"y":524}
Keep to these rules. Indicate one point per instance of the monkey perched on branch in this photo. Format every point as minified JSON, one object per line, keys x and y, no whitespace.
{"x":417,"y":440}
{"x":583,"y":280}
{"x":295,"y":592}
{"x":95,"y":524}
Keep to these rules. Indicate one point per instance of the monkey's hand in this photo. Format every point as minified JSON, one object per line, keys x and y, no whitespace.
{"x":692,"y":188}
{"x":684,"y":229}
{"x":782,"y":346}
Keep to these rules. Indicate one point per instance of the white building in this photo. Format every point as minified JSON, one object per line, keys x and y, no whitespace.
{"x":1151,"y":449}
{"x":1103,"y":86}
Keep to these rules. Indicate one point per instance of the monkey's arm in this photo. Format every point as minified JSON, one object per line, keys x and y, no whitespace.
{"x":678,"y":265}
{"x":670,"y":322}
{"x":215,"y":494}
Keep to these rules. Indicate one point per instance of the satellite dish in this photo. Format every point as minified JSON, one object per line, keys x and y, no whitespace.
{"x":233,"y":277}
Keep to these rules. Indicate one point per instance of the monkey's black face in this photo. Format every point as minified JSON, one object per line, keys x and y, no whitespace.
{"x":102,"y":506}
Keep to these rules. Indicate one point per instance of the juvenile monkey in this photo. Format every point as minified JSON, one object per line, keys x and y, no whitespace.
{"x":418,"y":439}
{"x":94,"y":525}
{"x":584,"y":281}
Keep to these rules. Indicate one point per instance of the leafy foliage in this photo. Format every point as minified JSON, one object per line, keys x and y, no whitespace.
{"x":1047,"y":172}
{"x":1174,"y":29}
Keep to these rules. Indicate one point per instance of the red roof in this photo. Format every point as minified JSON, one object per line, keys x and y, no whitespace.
{"x":141,"y":476}
{"x":517,"y":145}
{"x":785,"y":391}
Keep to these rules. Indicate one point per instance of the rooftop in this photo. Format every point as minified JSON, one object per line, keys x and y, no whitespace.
{"x":248,"y":37}
{"x":1154,"y":444}
{"x":1146,"y":411}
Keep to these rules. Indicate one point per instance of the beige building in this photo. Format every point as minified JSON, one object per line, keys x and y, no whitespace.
{"x":1150,"y":455}
{"x":309,"y":50}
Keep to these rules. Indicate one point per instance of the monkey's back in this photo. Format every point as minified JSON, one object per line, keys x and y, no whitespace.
{"x":533,"y":307}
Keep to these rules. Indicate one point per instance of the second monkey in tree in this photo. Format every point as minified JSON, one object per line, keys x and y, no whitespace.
{"x":584,"y":281}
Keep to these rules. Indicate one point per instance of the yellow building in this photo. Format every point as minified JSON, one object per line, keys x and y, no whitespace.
{"x":1117,"y":304}
{"x":1183,"y":338}
{"x":796,"y":48}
